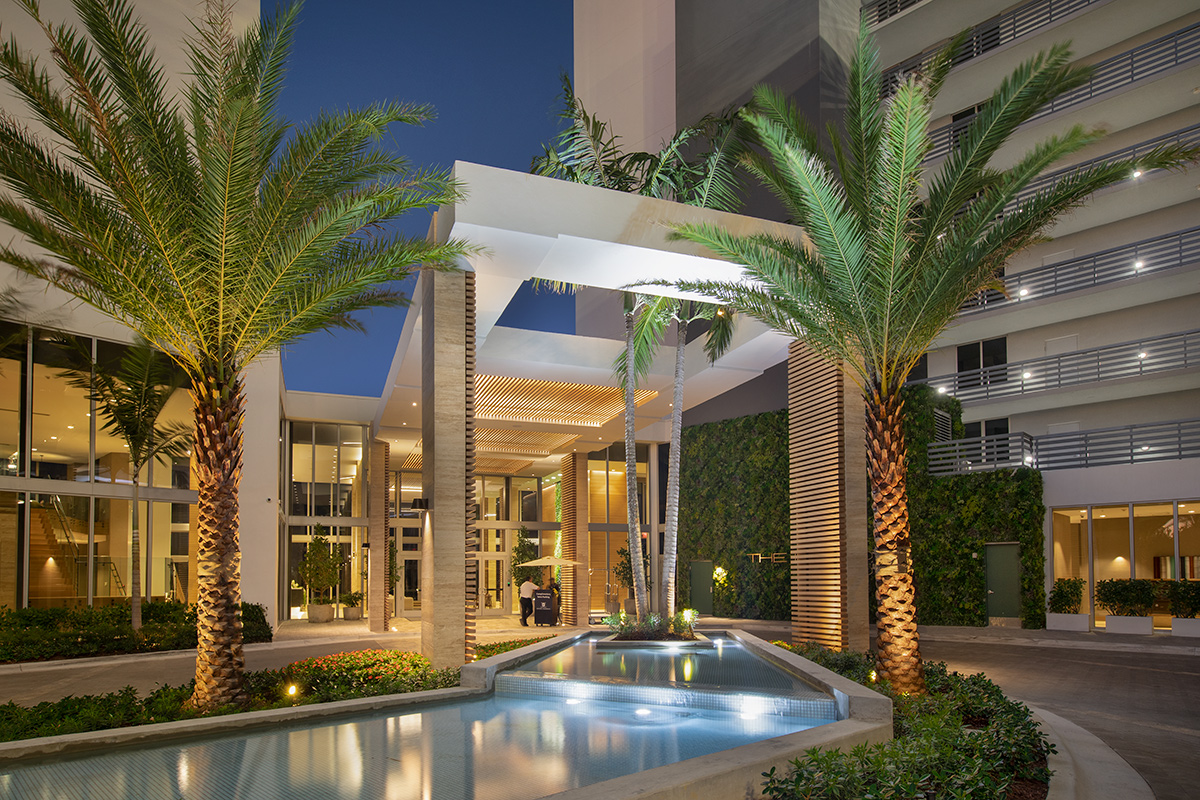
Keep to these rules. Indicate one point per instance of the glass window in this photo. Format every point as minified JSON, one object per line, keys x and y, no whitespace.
{"x":12,"y":527}
{"x":350,"y":472}
{"x":325,"y":469}
{"x":58,"y":550}
{"x":1070,"y":544}
{"x":302,"y":469}
{"x":525,"y":497}
{"x":1154,"y":540}
{"x":1110,"y":540}
{"x":59,"y":440}
{"x":12,"y":383}
{"x":1189,"y":539}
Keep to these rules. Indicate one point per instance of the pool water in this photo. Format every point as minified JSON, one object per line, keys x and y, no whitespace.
{"x":549,"y":732}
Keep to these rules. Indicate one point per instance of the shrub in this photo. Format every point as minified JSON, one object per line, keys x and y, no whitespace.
{"x":964,"y":739}
{"x":1184,"y":598}
{"x":364,"y":673}
{"x":483,"y":651}
{"x":350,"y":599}
{"x":1066,"y":596}
{"x":1127,"y":597}
{"x":654,"y":628}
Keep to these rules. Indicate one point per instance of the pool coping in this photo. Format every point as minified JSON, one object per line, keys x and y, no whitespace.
{"x":865,"y":718}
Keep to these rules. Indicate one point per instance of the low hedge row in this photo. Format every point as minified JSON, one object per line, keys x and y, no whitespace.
{"x":1139,"y":596}
{"x":964,"y":739}
{"x":38,"y":634}
{"x":341,"y":676}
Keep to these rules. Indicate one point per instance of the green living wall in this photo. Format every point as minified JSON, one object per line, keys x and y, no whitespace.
{"x":733,"y":490}
{"x":954,"y":517}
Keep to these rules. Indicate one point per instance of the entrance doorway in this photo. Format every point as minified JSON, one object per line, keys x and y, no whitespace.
{"x":494,"y":592}
{"x":1003,"y":566}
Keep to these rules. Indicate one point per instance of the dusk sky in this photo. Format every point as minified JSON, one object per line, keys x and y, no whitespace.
{"x":490,"y":69}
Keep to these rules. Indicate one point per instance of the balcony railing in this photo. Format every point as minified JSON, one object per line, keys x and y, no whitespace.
{"x":1145,"y":61}
{"x":1131,"y":444}
{"x":1114,"y":362}
{"x":1108,"y":266}
{"x":877,"y":11}
{"x":990,"y":34}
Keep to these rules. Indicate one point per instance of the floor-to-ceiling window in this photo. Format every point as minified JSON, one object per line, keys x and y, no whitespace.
{"x":1122,"y":541}
{"x":607,"y":520}
{"x":66,"y":527}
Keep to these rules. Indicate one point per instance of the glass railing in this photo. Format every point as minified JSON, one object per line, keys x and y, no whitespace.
{"x":1116,"y":264}
{"x":1129,"y":444}
{"x":1114,"y":362}
{"x":1145,"y":61}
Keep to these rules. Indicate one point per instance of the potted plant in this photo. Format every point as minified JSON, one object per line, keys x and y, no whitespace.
{"x":1066,"y":596}
{"x":320,"y":570}
{"x":352,"y":602}
{"x":1128,"y":603}
{"x":1184,"y":599}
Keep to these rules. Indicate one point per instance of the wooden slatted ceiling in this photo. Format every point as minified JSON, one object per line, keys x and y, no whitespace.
{"x":551,"y":402}
{"x":816,"y":504}
{"x":482,"y":466}
{"x":538,"y":444}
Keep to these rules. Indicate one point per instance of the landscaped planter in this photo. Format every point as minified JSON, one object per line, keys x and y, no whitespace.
{"x":1138,"y":625}
{"x":320,"y":613}
{"x":352,"y":613}
{"x":1069,"y":622}
{"x":1185,"y":626}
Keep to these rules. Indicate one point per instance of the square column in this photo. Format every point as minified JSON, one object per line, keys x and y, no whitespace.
{"x":448,"y":465}
{"x":379,"y":612}
{"x":828,"y":498}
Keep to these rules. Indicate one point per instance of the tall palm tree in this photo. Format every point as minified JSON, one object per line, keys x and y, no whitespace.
{"x":587,"y":151}
{"x":130,"y":396}
{"x":209,"y":226}
{"x":892,"y":254}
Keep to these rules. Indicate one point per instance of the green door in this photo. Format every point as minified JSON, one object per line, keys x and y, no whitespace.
{"x":702,"y":587}
{"x":1003,"y":563}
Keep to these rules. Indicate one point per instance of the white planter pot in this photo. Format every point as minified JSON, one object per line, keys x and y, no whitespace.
{"x":1182,"y":626}
{"x":1069,"y":622}
{"x":320,"y":613}
{"x":1139,"y":625}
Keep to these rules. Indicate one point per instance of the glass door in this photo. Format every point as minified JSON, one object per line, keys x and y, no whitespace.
{"x":494,"y":591}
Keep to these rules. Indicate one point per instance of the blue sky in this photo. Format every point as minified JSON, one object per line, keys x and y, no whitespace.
{"x":490,"y":69}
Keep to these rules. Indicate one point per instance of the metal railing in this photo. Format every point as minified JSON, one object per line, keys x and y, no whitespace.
{"x":1114,"y":362}
{"x":1183,"y":136}
{"x":1130,"y":444}
{"x":990,"y":34}
{"x":1116,"y":264}
{"x":1142,"y":62}
{"x":877,"y":11}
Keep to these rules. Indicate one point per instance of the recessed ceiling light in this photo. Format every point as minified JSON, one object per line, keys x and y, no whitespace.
{"x":1023,"y":292}
{"x":1026,"y":374}
{"x":414,"y":404}
{"x":72,"y":427}
{"x":1142,"y":355}
{"x":1139,"y":264}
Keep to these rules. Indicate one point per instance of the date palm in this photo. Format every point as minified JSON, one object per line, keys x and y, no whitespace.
{"x":207,"y":225}
{"x":587,"y":151}
{"x":130,"y":396}
{"x":892,"y":252}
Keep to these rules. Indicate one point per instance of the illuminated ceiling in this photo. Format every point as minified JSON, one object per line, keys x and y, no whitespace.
{"x":550,"y":402}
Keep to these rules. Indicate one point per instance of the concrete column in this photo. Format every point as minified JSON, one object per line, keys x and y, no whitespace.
{"x":828,"y":499}
{"x":259,"y":522}
{"x":447,"y":424}
{"x":576,"y":596}
{"x":379,"y":612}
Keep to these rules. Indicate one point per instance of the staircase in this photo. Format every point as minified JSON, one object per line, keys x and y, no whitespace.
{"x":52,"y":564}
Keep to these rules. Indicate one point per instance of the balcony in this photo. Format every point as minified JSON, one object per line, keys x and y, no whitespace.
{"x":1117,"y":264}
{"x":877,"y":11}
{"x":1149,"y":60}
{"x":1131,"y":444}
{"x":1114,"y":362}
{"x":988,"y":35}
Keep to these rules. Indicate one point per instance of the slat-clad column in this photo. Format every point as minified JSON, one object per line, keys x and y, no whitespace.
{"x":575,"y":596}
{"x":828,"y":502}
{"x":447,"y":364}
{"x":379,"y":614}
{"x":471,"y":600}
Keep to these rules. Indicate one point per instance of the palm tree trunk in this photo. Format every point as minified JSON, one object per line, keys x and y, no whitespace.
{"x":135,"y":568}
{"x":671,"y":529}
{"x":896,"y":619}
{"x":218,"y":452}
{"x":631,"y":497}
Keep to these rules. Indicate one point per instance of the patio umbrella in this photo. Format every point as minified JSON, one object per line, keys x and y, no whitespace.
{"x":549,"y":561}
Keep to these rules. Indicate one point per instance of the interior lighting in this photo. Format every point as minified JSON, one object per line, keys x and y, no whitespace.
{"x":1139,"y":264}
{"x":1026,"y":375}
{"x":414,"y":404}
{"x":70,"y":427}
{"x":1145,"y":447}
{"x":1142,"y":354}
{"x":1023,"y":292}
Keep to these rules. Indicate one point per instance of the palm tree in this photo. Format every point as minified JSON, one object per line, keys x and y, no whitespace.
{"x":886,"y":266}
{"x":588,"y":152}
{"x":209,"y":226}
{"x":130,"y":396}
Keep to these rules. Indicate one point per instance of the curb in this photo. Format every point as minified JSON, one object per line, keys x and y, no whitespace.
{"x":1085,"y":768}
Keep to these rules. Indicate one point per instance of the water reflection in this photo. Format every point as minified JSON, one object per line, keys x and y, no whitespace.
{"x":495,"y":748}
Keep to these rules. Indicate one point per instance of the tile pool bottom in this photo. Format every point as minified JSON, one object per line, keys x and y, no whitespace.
{"x":496,"y":747}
